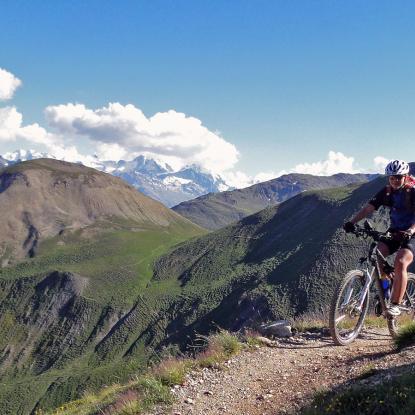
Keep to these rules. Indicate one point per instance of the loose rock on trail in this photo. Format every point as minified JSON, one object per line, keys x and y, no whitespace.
{"x":283,"y":378}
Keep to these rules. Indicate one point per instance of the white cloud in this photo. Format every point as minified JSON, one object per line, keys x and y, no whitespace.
{"x":8,"y":84}
{"x":380,"y":164}
{"x":336,"y":162}
{"x":11,"y":128}
{"x":237,"y":179}
{"x":11,"y":121}
{"x":265,"y":176}
{"x":106,"y":151}
{"x":171,"y":136}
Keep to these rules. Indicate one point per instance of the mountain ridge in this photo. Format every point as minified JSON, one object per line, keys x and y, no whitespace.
{"x":153,"y":178}
{"x":214,"y":211}
{"x":46,"y":197}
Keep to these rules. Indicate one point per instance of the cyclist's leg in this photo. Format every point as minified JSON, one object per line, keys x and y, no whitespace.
{"x":403,"y":259}
{"x":385,"y":251}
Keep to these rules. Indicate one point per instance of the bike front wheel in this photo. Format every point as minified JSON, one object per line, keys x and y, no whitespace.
{"x":346,"y":318}
{"x":408,"y":308}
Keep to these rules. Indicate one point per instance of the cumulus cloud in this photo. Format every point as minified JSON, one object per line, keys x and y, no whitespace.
{"x":237,"y":179}
{"x":11,"y":121}
{"x":380,"y":164}
{"x":336,"y":162}
{"x":8,"y":84}
{"x":12,"y":128}
{"x":176,"y":138}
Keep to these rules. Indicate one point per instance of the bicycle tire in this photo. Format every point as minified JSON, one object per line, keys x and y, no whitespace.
{"x":395,"y":323}
{"x":337,"y":323}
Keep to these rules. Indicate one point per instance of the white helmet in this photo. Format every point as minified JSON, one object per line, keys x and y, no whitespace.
{"x":397,"y":167}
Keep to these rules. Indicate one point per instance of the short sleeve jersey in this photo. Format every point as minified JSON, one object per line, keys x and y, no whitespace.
{"x":401,"y":205}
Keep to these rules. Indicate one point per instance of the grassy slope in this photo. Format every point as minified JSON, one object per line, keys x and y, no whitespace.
{"x":282,"y":261}
{"x":118,"y":264}
{"x":394,"y":396}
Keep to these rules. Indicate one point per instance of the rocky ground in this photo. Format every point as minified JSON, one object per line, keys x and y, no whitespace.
{"x":284,"y":377}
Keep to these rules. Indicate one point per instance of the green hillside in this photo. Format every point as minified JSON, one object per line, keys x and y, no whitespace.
{"x":57,"y":311}
{"x":282,"y":261}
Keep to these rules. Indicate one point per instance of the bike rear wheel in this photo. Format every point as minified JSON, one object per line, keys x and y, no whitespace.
{"x":407,"y":316}
{"x":345,"y":319}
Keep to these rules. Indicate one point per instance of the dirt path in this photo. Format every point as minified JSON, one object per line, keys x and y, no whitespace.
{"x":280,"y":380}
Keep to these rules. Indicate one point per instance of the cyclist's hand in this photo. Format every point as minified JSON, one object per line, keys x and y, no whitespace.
{"x":349,"y":227}
{"x":402,"y":236}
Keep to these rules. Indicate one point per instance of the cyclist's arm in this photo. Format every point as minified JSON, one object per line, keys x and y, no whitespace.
{"x":366,"y":211}
{"x":411,"y":229}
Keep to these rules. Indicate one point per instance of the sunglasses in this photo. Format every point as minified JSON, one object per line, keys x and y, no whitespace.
{"x":397,"y":176}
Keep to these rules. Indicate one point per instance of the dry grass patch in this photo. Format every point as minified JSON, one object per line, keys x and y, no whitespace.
{"x":130,"y":399}
{"x":153,"y":388}
{"x":172,"y":371}
{"x":312,"y":321}
{"x":218,"y":347}
{"x":374,"y":322}
{"x":406,"y":336}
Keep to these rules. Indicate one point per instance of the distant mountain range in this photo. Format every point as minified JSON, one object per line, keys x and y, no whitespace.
{"x":215,"y":210}
{"x":159,"y":181}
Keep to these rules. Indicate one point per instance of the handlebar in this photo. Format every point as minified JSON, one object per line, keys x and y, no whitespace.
{"x":375,"y":235}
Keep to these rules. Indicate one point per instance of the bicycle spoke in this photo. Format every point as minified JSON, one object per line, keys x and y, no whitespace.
{"x":348,"y":296}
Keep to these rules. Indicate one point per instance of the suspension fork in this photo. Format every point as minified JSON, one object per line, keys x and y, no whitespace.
{"x":365,"y":291}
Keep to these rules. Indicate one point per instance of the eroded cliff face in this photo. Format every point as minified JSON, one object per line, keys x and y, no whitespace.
{"x":55,"y":342}
{"x":40,"y":320}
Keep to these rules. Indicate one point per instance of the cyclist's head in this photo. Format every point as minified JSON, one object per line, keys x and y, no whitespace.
{"x":397,"y":168}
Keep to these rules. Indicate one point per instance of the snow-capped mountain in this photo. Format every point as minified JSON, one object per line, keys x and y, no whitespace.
{"x":154,"y":179}
{"x":23,"y":155}
{"x":161,"y":182}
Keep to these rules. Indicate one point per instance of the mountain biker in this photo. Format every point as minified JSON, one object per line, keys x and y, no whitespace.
{"x":399,"y":196}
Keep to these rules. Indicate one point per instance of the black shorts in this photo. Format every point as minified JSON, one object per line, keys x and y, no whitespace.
{"x":396,"y":245}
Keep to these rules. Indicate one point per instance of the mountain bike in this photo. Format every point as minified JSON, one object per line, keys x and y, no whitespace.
{"x":351,"y":298}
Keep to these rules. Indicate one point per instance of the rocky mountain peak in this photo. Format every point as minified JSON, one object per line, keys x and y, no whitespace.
{"x":41,"y":198}
{"x":151,"y":177}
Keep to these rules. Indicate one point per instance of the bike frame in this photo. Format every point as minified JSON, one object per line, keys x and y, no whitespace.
{"x":371,"y":275}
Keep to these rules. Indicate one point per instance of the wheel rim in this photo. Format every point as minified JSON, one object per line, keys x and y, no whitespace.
{"x":347,"y":317}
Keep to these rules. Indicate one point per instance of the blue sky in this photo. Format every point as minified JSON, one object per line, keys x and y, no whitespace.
{"x":284,"y":82}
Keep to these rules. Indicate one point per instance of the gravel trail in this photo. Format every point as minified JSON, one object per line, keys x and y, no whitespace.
{"x":282,"y":379}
